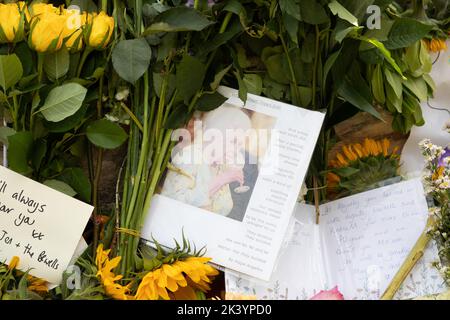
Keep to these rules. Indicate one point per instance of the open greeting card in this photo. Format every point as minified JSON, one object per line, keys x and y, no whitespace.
{"x":234,"y":179}
{"x":358,"y":246}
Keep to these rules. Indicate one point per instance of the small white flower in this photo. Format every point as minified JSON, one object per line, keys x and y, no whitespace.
{"x":122,"y":94}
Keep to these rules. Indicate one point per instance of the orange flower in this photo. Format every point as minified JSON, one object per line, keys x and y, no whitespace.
{"x":107,"y":276}
{"x":436,"y":45}
{"x":370,"y":147}
{"x":13,"y":263}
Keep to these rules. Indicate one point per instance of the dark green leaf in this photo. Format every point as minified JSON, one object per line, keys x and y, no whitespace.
{"x":405,"y":32}
{"x":178,"y":118}
{"x":131,"y":58}
{"x":290,"y":7}
{"x":19,"y":150}
{"x":189,"y":77}
{"x":355,"y":90}
{"x":11,"y":71}
{"x":106,"y":134}
{"x":210,"y":101}
{"x":312,"y":12}
{"x":56,"y":65}
{"x":76,"y":178}
{"x":178,"y":19}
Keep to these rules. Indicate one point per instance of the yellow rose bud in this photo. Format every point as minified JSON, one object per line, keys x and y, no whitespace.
{"x":38,"y":9}
{"x":74,"y":28}
{"x":100,"y":31}
{"x":12,"y":20}
{"x":47,"y":32}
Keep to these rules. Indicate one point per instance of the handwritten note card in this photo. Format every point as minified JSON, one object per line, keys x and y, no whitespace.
{"x":39,"y":225}
{"x":359,"y":245}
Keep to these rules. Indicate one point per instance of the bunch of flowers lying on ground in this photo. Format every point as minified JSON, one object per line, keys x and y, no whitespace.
{"x":179,"y":274}
{"x":361,"y":166}
{"x":437,"y":184}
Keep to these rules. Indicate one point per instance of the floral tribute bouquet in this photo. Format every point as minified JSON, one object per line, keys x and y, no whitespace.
{"x":437,"y":183}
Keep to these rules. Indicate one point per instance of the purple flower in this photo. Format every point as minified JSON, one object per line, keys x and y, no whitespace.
{"x":190,"y":3}
{"x":441,"y":159}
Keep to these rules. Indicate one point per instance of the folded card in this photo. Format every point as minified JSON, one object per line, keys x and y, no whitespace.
{"x":358,"y":246}
{"x":39,"y":225}
{"x":234,"y":179}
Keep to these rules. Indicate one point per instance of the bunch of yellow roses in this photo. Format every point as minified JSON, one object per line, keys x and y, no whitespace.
{"x":51,"y":28}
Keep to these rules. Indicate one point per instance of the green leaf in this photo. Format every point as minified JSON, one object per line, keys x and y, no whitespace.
{"x":329,"y":64}
{"x":69,"y":123}
{"x":178,"y":117}
{"x":405,"y":32}
{"x":291,"y":8}
{"x":355,"y":90}
{"x":189,"y":77}
{"x":178,"y":19}
{"x":386,"y":53}
{"x":38,"y":153}
{"x":56,"y":65}
{"x":418,"y":87}
{"x":291,"y":26}
{"x":106,"y":134}
{"x":394,"y":103}
{"x":312,"y":12}
{"x":76,"y":178}
{"x":63,"y":101}
{"x":219,"y":76}
{"x":253,"y":83}
{"x":339,"y":10}
{"x":61,"y":187}
{"x":11,"y":71}
{"x":243,"y":91}
{"x":5,"y":132}
{"x":394,"y":81}
{"x":20,"y":145}
{"x":131,"y":58}
{"x":378,"y":85}
{"x":346,"y":171}
{"x":210,"y":101}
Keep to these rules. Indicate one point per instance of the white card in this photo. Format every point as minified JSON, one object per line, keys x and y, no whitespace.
{"x":242,"y":227}
{"x":359,"y":245}
{"x":39,"y":225}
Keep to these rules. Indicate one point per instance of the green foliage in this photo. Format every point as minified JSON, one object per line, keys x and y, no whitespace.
{"x":106,"y":134}
{"x":131,"y":59}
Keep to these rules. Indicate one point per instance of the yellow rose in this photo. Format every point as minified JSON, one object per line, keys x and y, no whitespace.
{"x":74,"y":28}
{"x":12,"y":20}
{"x":100,"y":31}
{"x":47,"y":32}
{"x":38,"y":9}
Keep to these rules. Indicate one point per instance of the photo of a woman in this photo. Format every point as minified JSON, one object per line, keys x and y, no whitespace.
{"x":223,"y":180}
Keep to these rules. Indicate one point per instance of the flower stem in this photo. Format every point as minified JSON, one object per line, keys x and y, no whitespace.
{"x":83,"y":59}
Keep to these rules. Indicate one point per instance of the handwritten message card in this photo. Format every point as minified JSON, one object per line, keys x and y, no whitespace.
{"x":39,"y":225}
{"x":359,"y":245}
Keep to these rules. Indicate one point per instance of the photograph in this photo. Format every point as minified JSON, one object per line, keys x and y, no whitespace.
{"x":217,"y":168}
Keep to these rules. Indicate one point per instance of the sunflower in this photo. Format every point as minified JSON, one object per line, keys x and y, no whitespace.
{"x":177,"y":281}
{"x":34,"y":284}
{"x":359,"y":166}
{"x":108,"y":277}
{"x":436,"y":45}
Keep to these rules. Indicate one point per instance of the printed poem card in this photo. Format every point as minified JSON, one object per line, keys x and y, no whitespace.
{"x":39,"y":225}
{"x":359,"y":245}
{"x":234,"y":180}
